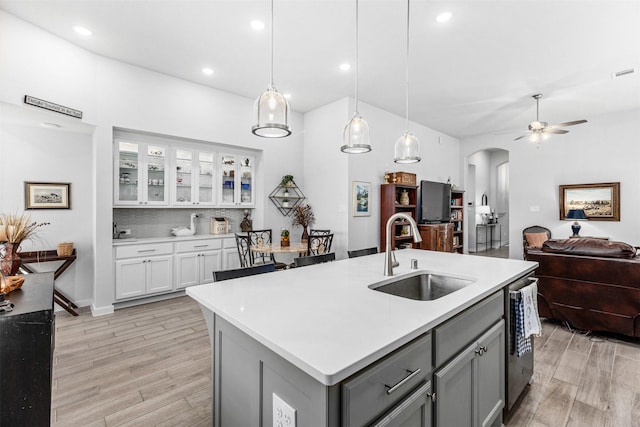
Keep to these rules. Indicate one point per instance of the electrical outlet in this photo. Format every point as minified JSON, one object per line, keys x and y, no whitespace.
{"x":283,"y":414}
{"x":534,"y":208}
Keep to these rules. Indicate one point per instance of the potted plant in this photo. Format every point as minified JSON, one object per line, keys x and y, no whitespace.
{"x":287,"y":181}
{"x":304,"y":216}
{"x":14,"y":229}
{"x":284,"y":237}
{"x":285,"y":203}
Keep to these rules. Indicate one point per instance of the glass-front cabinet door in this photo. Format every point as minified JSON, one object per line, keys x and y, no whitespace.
{"x":140,"y":174}
{"x":246,"y":180}
{"x":194,"y":177}
{"x":237,"y":184}
{"x":206,"y":190}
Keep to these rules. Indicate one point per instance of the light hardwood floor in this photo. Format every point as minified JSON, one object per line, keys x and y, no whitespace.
{"x":150,"y":365}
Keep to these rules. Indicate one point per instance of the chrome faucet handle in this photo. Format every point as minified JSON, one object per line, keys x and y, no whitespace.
{"x":394,"y":261}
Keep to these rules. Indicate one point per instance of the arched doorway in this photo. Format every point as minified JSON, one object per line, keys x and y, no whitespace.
{"x":487,"y":184}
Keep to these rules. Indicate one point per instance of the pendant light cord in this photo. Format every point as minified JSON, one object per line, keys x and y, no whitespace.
{"x":356,"y":73}
{"x":407,"y":72}
{"x":271,"y":43}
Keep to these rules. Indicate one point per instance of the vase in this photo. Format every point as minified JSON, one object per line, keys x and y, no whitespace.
{"x":404,"y":198}
{"x":305,"y":235}
{"x":10,"y":262}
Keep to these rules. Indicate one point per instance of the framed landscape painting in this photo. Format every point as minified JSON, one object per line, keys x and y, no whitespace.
{"x":600,"y":202}
{"x":360,"y":196}
{"x":47,"y":195}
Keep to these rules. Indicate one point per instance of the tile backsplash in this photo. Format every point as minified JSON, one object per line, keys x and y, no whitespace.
{"x":159,"y":222}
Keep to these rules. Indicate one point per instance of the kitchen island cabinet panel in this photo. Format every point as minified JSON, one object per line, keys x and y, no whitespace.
{"x":247,"y":375}
{"x":470,"y":389}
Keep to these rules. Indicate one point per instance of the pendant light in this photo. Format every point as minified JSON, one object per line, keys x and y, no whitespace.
{"x":356,"y":133}
{"x":271,"y":108}
{"x":407,"y":148}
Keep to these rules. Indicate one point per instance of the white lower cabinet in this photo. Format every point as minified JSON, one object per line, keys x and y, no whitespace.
{"x":230,"y":256}
{"x":143,"y":270}
{"x":196,"y":261}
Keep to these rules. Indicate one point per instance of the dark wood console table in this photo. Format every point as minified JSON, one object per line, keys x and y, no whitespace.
{"x":26,"y":353}
{"x":47,"y":256}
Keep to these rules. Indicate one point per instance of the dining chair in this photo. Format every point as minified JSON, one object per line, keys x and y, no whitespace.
{"x":263,"y":237}
{"x":221,"y":275}
{"x":319,"y":232}
{"x":314,"y":259}
{"x":362,"y":252}
{"x":242,"y":242}
{"x":319,"y":244}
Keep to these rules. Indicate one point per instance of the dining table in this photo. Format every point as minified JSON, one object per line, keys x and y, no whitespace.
{"x":275,"y":248}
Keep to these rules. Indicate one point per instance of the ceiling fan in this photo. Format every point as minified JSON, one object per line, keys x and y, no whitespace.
{"x":540,"y":131}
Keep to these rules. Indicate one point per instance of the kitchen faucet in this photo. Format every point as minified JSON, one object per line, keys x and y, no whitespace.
{"x":388,"y":262}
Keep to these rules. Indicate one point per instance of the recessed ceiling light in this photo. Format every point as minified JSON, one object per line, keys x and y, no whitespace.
{"x":208,"y":71}
{"x":444,"y":17}
{"x":82,"y":30}
{"x":345,"y":67}
{"x":287,"y":95}
{"x":257,"y":25}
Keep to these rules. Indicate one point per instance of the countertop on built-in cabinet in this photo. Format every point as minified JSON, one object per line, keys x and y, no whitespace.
{"x":131,"y":241}
{"x":325,"y":320}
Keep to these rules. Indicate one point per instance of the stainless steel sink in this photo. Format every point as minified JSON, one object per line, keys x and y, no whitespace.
{"x":422,"y":286}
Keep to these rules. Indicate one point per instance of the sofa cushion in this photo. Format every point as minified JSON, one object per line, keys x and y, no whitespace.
{"x":590,"y":247}
{"x":535,"y":240}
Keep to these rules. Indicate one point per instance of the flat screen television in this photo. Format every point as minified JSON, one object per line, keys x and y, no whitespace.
{"x":435,"y":202}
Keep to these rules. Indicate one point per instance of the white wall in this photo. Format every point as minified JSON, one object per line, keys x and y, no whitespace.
{"x":114,"y":94}
{"x":27,"y":155}
{"x":603,"y":150}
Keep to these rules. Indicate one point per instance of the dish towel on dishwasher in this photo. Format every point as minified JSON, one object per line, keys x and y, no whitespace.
{"x":522,"y":343}
{"x":529,"y":296}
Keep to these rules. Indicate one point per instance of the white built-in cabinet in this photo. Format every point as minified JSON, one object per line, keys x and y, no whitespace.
{"x":193,"y":179}
{"x":143,"y":270}
{"x":149,"y":174}
{"x":147,"y":269}
{"x":195,"y":261}
{"x":236,"y":180}
{"x":140,"y":173}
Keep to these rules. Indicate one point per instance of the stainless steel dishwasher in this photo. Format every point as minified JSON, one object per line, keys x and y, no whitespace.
{"x":519,"y":369}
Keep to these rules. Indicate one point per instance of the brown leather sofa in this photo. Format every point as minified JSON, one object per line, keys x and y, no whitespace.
{"x":593,"y":284}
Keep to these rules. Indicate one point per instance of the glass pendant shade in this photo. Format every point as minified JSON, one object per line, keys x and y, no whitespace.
{"x":356,"y":136}
{"x":272,"y":115}
{"x":407,"y":149}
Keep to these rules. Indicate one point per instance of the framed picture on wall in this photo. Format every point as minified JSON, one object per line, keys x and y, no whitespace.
{"x":600,"y":202}
{"x":360,"y":198}
{"x":47,"y":195}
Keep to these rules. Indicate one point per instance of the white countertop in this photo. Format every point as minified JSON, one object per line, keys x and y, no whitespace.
{"x":123,"y":241}
{"x":325,"y":320}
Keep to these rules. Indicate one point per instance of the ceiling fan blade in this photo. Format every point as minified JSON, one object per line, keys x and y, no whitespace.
{"x":562,"y":125}
{"x":521,"y":136}
{"x":557,"y":131}
{"x":509,"y":131}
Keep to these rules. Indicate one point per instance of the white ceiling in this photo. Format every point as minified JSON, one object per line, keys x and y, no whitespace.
{"x":473,"y":75}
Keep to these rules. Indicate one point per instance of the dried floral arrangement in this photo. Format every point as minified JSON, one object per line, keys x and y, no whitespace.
{"x":15,"y":228}
{"x":303,"y":215}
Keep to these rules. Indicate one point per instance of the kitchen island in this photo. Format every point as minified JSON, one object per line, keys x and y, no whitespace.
{"x":317,"y":336}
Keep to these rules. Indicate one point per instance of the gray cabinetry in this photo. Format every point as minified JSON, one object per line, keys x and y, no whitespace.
{"x":468,"y":385}
{"x":412,"y":411}
{"x":469,"y":388}
{"x":378,"y":388}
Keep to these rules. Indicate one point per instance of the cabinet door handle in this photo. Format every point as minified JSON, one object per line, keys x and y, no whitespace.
{"x":391,"y":389}
{"x":147,"y":250}
{"x":201,"y":246}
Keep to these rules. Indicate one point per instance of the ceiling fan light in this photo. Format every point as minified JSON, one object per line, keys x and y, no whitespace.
{"x":407,"y":149}
{"x":271,"y":111}
{"x":356,"y":136}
